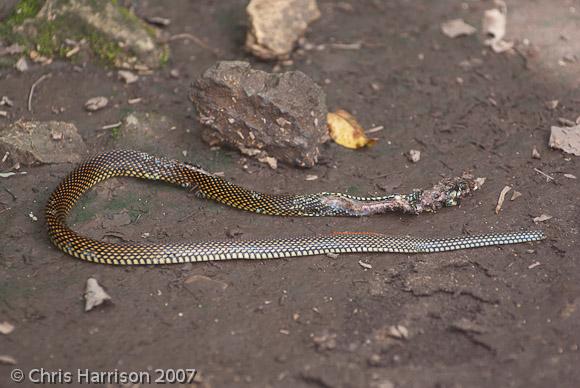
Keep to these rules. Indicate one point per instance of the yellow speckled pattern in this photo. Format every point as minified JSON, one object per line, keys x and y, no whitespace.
{"x":141,"y":165}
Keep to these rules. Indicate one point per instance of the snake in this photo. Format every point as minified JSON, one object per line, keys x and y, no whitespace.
{"x":131,"y":163}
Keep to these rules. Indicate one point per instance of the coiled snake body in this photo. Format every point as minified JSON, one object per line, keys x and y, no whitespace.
{"x":141,"y":165}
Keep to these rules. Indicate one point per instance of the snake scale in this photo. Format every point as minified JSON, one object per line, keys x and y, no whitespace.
{"x":141,"y":165}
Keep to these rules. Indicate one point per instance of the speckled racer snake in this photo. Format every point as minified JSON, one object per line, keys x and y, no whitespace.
{"x":141,"y":165}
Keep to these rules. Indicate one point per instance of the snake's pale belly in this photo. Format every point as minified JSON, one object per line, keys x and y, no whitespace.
{"x":141,"y":165}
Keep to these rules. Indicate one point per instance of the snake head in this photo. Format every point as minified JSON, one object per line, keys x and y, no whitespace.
{"x":449,"y":192}
{"x":459,"y":188}
{"x":453,"y":198}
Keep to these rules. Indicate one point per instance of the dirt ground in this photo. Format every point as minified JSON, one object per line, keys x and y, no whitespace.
{"x":482,"y":318}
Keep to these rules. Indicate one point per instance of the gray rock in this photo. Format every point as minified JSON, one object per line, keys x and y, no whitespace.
{"x":277,"y":115}
{"x":96,"y":103}
{"x":35,"y":142}
{"x":114,"y":33}
{"x":566,"y":139}
{"x":276,"y":25}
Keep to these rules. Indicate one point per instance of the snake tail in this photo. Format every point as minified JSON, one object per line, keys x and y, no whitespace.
{"x":141,"y":165}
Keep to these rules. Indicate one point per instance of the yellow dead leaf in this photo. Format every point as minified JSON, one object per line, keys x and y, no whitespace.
{"x":346,"y":131}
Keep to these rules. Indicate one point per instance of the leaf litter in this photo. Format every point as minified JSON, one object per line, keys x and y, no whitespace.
{"x":95,"y":295}
{"x":345,"y":130}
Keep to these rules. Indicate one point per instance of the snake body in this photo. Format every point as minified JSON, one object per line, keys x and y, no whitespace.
{"x":141,"y":165}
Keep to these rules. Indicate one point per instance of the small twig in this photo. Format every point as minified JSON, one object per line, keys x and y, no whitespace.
{"x":195,"y":40}
{"x":347,"y":46}
{"x":72,"y":51}
{"x":548,"y":177}
{"x":501,"y":199}
{"x":34,"y":85}
{"x":534,"y":265}
{"x":375,"y":129}
{"x":111,"y":126}
{"x":11,"y":194}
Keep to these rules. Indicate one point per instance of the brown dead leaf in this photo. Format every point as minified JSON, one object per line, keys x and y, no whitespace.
{"x":515,"y":195}
{"x":95,"y":295}
{"x":501,"y":199}
{"x":542,"y":218}
{"x":7,"y":360}
{"x":398,"y":331}
{"x":456,"y":28}
{"x":346,"y":131}
{"x":6,"y":328}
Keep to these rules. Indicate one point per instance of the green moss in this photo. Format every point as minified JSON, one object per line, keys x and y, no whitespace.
{"x":164,"y":57}
{"x":104,"y":48}
{"x":83,"y":215}
{"x":88,"y":207}
{"x":84,"y":210}
{"x":46,"y":42}
{"x":130,"y":202}
{"x":25,"y":9}
{"x":149,"y":30}
{"x":120,"y":202}
{"x":132,"y":20}
{"x":48,"y":35}
{"x":116,"y":133}
{"x":353,"y":190}
{"x":128,"y":17}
